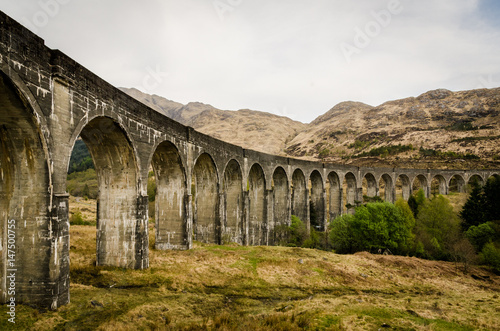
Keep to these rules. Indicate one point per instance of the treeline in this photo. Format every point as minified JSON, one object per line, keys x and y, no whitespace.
{"x":80,"y":158}
{"x":421,"y":227}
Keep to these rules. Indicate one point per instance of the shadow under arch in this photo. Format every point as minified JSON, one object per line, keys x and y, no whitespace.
{"x":334,"y":192}
{"x":299,"y":195}
{"x":205,"y":200}
{"x":281,"y":209}
{"x":317,"y":202}
{"x":457,"y":184}
{"x":233,"y":227}
{"x":171,"y":226}
{"x":349,"y":192}
{"x":370,"y":187}
{"x":403,"y":187}
{"x":121,"y":235}
{"x":257,"y":224}
{"x":27,"y":203}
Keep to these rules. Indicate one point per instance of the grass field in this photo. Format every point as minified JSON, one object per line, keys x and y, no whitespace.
{"x":267,"y":288}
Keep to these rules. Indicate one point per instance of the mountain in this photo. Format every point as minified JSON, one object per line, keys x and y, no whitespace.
{"x":250,"y":129}
{"x":438,"y":129}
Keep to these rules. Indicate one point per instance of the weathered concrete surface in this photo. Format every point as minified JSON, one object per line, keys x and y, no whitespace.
{"x":207,"y":190}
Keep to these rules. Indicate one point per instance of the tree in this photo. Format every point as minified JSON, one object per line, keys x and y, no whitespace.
{"x":492,"y":197}
{"x":415,"y":201}
{"x":374,"y":227}
{"x":437,"y":227}
{"x":473,"y":211}
{"x":86,"y":191}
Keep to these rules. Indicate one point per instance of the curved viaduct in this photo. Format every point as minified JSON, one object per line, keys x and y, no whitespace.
{"x":207,"y":190}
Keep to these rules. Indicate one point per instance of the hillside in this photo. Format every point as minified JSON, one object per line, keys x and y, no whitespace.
{"x":438,"y":129}
{"x":250,"y":129}
{"x":465,"y":123}
{"x":267,"y":288}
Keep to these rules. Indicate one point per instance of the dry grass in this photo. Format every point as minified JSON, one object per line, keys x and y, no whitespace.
{"x":267,"y":288}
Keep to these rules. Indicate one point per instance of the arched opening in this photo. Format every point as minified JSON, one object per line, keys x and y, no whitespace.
{"x":233,"y":202}
{"x":170,"y":198}
{"x":403,"y":187}
{"x":457,"y":184}
{"x":420,"y":183}
{"x":257,"y":231}
{"x":317,"y":202}
{"x":281,"y":210}
{"x":386,"y":188}
{"x":438,"y":185}
{"x":25,"y":196}
{"x":370,"y":188}
{"x":299,"y":195}
{"x":349,"y":188}
{"x":205,"y":200}
{"x":334,"y":196}
{"x":474,"y":180}
{"x":117,"y":220}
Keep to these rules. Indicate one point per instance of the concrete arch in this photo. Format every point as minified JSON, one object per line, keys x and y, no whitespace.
{"x":205,"y":199}
{"x":26,"y":199}
{"x":334,"y":193}
{"x":317,"y":202}
{"x":171,"y":198}
{"x":475,"y":179}
{"x":403,"y":187}
{"x":420,"y":183}
{"x":257,"y":224}
{"x":493,"y":175}
{"x":369,"y":186}
{"x":386,"y":187}
{"x":118,"y":177}
{"x":233,"y":227}
{"x":281,"y":203}
{"x":439,"y":185}
{"x":299,"y":195}
{"x":350,"y":192}
{"x":457,"y":184}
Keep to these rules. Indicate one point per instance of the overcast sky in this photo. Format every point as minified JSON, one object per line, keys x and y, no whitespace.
{"x":295,"y":58}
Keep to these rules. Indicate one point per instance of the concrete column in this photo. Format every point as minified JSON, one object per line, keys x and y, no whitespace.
{"x":222,"y":218}
{"x":324,"y":211}
{"x":142,"y":234}
{"x":308,"y":211}
{"x":58,"y":286}
{"x":269,"y":217}
{"x":189,"y":220}
{"x":246,"y":218}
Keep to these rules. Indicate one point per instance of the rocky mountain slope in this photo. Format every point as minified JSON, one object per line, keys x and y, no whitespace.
{"x":439,"y":128}
{"x":250,"y":129}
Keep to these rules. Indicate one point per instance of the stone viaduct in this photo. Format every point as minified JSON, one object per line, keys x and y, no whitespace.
{"x":207,"y":190}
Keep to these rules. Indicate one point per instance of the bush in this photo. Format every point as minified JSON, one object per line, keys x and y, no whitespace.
{"x":374,"y":227}
{"x":437,"y":228}
{"x":297,"y":232}
{"x":481,"y":234}
{"x":491,"y":256}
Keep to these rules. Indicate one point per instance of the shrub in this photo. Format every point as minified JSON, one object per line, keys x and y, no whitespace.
{"x":491,"y":256}
{"x":376,"y":226}
{"x":298,"y":232}
{"x":437,"y":227}
{"x":481,"y":234}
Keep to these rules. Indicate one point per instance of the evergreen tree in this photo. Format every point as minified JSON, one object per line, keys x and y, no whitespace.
{"x":473,"y":212}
